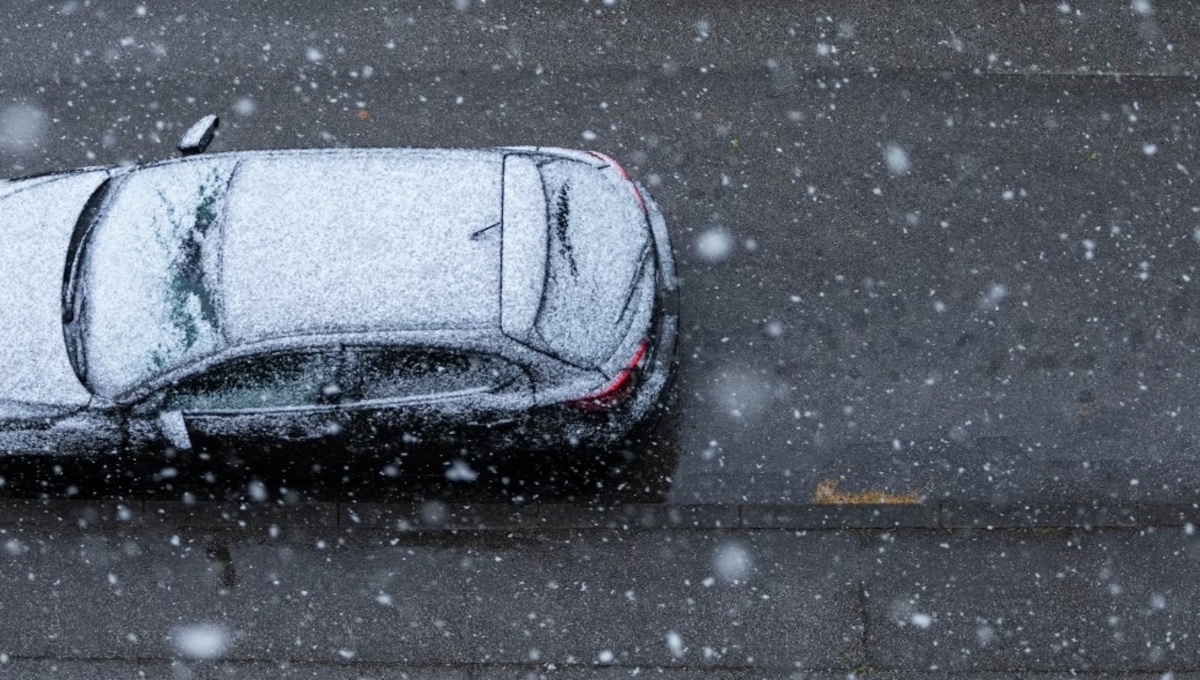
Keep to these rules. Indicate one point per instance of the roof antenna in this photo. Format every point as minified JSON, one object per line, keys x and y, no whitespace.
{"x":199,"y":135}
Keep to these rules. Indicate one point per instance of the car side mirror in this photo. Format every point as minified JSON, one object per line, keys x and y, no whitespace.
{"x":175,"y":429}
{"x":199,"y":135}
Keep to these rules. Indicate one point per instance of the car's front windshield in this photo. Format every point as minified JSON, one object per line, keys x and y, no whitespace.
{"x":143,"y":298}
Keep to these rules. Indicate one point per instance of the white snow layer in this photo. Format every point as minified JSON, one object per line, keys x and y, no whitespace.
{"x":149,"y":274}
{"x":597,"y":241}
{"x":288,"y":243}
{"x":36,"y":224}
{"x":370,"y":241}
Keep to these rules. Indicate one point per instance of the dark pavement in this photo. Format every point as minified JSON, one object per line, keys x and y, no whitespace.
{"x":938,"y":275}
{"x":539,"y":592}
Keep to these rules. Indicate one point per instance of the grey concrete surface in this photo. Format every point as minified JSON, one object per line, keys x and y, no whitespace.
{"x":438,"y":515}
{"x":744,"y":602}
{"x":108,"y":670}
{"x":153,"y":670}
{"x":1081,"y":601}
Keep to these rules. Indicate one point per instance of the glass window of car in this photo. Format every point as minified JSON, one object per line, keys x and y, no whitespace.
{"x":273,"y":381}
{"x":597,"y":250}
{"x":389,"y":373}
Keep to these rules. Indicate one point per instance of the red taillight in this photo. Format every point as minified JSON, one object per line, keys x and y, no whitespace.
{"x":637,"y":194}
{"x":612,"y":394}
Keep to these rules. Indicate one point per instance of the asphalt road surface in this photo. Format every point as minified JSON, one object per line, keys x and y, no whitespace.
{"x":939,"y":258}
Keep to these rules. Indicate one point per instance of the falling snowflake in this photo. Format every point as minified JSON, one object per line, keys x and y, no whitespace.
{"x":715,"y":244}
{"x":201,"y":641}
{"x":897,"y":159}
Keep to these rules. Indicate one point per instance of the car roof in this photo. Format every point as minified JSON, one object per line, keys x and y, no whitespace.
{"x":360,"y":241}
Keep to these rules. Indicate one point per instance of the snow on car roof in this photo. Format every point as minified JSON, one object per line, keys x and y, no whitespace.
{"x":360,"y":241}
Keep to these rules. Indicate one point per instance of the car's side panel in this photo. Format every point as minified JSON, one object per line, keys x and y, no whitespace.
{"x":81,"y":432}
{"x":264,"y":430}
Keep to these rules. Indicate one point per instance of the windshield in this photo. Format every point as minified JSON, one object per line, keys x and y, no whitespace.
{"x":142,"y":298}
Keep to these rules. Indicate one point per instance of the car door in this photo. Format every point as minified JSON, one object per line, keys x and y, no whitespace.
{"x":423,"y":398}
{"x":258,"y":402}
{"x":26,"y":429}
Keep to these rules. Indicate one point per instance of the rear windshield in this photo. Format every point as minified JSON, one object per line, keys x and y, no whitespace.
{"x":598,"y":241}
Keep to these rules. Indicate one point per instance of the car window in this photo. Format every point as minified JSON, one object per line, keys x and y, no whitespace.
{"x":281,"y":380}
{"x":404,"y":373}
{"x":597,"y":249}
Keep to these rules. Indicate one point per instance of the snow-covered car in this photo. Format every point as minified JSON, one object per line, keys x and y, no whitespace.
{"x":512,"y":297}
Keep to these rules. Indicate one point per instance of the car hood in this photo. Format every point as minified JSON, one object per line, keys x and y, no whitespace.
{"x":36,"y":220}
